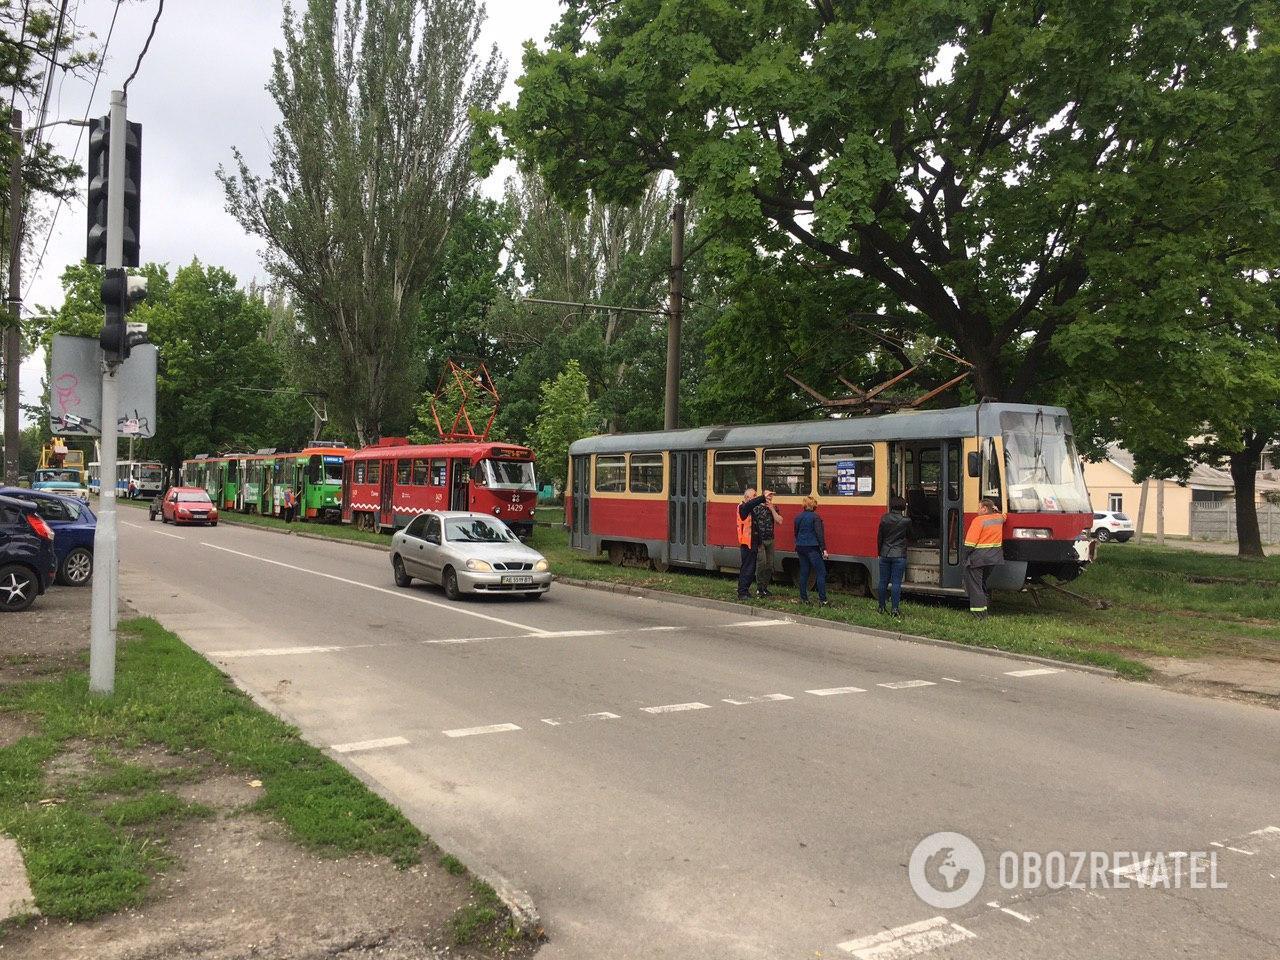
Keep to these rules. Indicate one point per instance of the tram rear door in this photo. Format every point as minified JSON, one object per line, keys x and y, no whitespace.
{"x":687,"y":507}
{"x":581,"y":523}
{"x":927,"y":474}
{"x":460,"y":487}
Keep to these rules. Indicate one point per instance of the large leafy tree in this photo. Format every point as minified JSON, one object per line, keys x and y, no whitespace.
{"x":370,"y":166}
{"x":997,"y":170}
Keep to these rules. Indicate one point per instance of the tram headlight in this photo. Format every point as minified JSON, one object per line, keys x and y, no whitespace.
{"x":1032,"y":533}
{"x":541,"y":566}
{"x":479,"y":566}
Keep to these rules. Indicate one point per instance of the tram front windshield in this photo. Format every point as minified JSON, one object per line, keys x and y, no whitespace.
{"x":508,"y":474}
{"x":1043,"y":472}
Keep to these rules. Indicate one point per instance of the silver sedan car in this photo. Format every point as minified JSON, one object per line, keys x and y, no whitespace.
{"x":468,"y":553}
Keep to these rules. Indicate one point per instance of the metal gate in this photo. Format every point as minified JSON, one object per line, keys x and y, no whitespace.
{"x":687,"y":507}
{"x":580,"y":529}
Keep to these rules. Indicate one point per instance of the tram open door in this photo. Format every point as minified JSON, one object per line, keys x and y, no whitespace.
{"x":929,"y":476}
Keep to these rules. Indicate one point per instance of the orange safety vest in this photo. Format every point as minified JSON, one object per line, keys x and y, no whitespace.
{"x":986,"y":530}
{"x":744,"y":528}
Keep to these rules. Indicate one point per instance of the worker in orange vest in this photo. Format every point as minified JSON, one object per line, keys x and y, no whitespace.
{"x":985,"y":545}
{"x":748,"y":540}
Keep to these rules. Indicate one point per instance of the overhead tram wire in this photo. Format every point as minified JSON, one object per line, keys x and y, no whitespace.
{"x":145,"y":47}
{"x":53,"y":222}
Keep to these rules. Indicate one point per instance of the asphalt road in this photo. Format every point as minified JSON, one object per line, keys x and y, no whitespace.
{"x":667,"y":781}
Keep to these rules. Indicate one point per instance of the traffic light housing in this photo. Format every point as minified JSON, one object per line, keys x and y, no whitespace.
{"x":120,"y":294}
{"x":99,"y":164}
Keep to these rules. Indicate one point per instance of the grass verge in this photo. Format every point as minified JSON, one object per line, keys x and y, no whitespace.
{"x":93,"y":842}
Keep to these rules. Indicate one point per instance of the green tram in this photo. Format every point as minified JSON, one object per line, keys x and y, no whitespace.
{"x":256,"y":482}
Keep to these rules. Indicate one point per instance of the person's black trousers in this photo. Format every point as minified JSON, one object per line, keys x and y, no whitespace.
{"x":747,"y":570}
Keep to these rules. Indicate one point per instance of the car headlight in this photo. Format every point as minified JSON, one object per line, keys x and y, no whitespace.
{"x":1032,"y":533}
{"x":541,"y":566}
{"x":480,"y":566}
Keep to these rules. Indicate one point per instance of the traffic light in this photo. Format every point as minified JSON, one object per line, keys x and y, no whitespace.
{"x":120,"y":293}
{"x":99,"y":161}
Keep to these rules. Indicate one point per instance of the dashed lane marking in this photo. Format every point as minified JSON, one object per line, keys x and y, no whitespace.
{"x":949,"y":680}
{"x":763,"y":698}
{"x":1036,"y":672}
{"x":761,"y":623}
{"x":1013,"y":913}
{"x":477,"y":731}
{"x":908,"y":940}
{"x":906,"y":684}
{"x":271,"y":652}
{"x":676,"y":708}
{"x":368,"y":745}
{"x":1258,"y":833}
{"x":834,"y":691}
{"x":453,"y":608}
{"x":564,"y":722}
{"x":163,"y":533}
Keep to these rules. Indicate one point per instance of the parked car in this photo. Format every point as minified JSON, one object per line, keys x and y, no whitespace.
{"x":186,"y":505}
{"x":27,"y":561}
{"x":1112,"y":525}
{"x":467,"y":552}
{"x":73,"y":524}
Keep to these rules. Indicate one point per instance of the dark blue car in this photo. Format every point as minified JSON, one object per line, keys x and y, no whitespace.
{"x":27,"y":561}
{"x":73,"y":526}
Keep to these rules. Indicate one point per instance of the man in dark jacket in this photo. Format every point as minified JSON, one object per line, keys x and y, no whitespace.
{"x":764,"y":517}
{"x":891,"y":546}
{"x":748,"y":540}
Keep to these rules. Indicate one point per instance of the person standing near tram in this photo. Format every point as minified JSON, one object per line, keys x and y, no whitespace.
{"x":764,"y":517}
{"x":748,"y":539}
{"x":985,"y":544}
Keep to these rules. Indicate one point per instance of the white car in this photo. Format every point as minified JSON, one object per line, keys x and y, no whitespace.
{"x":468,"y":553}
{"x":1112,"y":525}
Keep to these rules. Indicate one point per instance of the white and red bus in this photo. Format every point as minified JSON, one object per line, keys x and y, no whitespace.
{"x":670,"y":498}
{"x":386,"y":485}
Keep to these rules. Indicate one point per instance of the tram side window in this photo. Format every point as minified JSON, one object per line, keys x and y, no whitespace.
{"x":375,"y":471}
{"x":403,"y":468}
{"x":439,"y":470}
{"x":646,"y":473}
{"x":847,"y":471}
{"x":734,"y":471}
{"x":611,"y":474}
{"x":420,"y":470}
{"x":788,"y":471}
{"x":359,"y":472}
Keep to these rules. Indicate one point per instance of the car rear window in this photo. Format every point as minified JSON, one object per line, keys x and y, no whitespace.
{"x":1122,"y":516}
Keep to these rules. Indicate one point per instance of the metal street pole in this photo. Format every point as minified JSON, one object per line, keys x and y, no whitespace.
{"x":102,"y":637}
{"x":12,"y":333}
{"x":671,"y":406}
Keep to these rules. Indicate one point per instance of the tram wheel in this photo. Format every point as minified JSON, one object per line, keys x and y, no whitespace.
{"x":661,"y":566}
{"x":617,"y":554}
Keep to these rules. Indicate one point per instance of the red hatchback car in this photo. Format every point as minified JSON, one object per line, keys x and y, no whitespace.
{"x":185,"y":505}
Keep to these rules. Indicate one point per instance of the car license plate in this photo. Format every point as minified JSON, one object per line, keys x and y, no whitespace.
{"x":517,"y":580}
{"x":199,"y":516}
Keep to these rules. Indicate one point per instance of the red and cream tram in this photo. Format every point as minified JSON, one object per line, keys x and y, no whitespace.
{"x":670,"y":498}
{"x":386,"y":485}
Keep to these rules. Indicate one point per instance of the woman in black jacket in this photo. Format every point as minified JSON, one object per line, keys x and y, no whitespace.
{"x":891,"y":545}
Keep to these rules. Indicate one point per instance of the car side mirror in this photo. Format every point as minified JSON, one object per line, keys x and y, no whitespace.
{"x":975,"y":463}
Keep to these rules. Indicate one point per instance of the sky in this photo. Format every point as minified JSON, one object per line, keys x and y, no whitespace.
{"x":200,"y":91}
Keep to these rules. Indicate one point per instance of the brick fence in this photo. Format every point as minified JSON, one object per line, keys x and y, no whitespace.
{"x":1217,"y":521}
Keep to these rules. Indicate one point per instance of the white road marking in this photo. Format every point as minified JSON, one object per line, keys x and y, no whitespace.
{"x":764,"y":698}
{"x":1247,"y":853}
{"x":761,"y":623}
{"x":271,"y":652}
{"x":547,"y":634}
{"x":602,"y":715}
{"x":906,"y":684}
{"x":475,"y":731}
{"x":455,"y":608}
{"x":1013,"y":913}
{"x":1037,"y":672}
{"x":949,"y":680}
{"x":908,"y":940}
{"x":1258,"y":833}
{"x":676,"y":707}
{"x":163,"y":533}
{"x":657,"y":629}
{"x":455,"y":640}
{"x":368,"y":745}
{"x":833,"y":691}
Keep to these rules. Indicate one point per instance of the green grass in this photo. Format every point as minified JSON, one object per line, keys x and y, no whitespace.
{"x":95,"y":850}
{"x":453,"y":865}
{"x":477,"y":920}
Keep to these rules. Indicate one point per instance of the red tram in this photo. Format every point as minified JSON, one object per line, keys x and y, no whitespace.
{"x":670,"y":498}
{"x":386,"y":485}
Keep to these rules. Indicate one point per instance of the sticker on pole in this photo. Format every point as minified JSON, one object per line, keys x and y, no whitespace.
{"x":75,"y":389}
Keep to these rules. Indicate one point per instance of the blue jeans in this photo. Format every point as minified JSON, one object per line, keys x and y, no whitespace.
{"x":812,"y":557}
{"x":891,"y":570}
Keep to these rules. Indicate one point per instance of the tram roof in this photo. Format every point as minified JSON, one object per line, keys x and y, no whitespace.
{"x":911,"y":425}
{"x":471,"y":451}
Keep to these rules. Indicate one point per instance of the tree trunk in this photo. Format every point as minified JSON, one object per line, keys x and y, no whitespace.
{"x":1244,"y":474}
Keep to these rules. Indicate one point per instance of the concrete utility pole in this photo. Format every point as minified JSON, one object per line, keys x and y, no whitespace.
{"x":675,"y":314}
{"x":1160,"y":512}
{"x":13,"y":333}
{"x":1142,"y":510}
{"x":102,"y":637}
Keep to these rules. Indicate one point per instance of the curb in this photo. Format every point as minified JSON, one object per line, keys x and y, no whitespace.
{"x":769,"y":612}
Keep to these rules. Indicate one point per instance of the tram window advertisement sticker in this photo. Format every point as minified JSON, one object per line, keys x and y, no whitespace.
{"x":848,"y":483}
